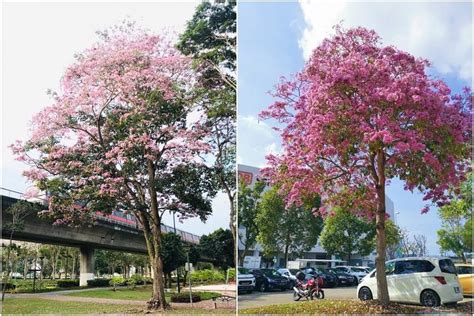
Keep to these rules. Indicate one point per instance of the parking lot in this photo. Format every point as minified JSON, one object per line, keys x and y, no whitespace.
{"x":276,"y":297}
{"x":257,"y":299}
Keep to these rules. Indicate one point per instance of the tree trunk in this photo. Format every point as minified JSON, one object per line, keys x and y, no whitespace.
{"x":286,"y":255}
{"x":382,"y":288}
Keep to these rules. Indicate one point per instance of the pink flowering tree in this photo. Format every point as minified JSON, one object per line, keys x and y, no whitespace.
{"x":119,"y":136}
{"x":360,"y":114}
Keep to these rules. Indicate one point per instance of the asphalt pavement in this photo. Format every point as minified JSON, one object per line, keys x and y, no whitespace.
{"x":276,"y":297}
{"x":257,"y":299}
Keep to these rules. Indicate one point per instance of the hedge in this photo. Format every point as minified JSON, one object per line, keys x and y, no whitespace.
{"x":68,"y":283}
{"x":184,"y":298}
{"x":98,"y":282}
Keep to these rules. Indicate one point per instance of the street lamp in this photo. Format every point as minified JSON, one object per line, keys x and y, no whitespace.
{"x":188,"y":267}
{"x":177,"y":270}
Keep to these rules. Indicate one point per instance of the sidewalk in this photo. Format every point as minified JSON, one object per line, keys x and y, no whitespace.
{"x":224,"y":289}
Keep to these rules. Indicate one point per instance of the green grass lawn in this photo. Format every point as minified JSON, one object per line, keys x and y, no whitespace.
{"x":139,"y":293}
{"x":350,"y":307}
{"x":43,"y":306}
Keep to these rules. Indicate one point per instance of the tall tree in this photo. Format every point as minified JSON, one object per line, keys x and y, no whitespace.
{"x":456,"y":221}
{"x":173,"y":254}
{"x":291,"y":230}
{"x":248,"y":201}
{"x":18,"y":212}
{"x":360,"y":114}
{"x":210,"y":38}
{"x":344,"y":234}
{"x":119,"y":135}
{"x":219,"y":246}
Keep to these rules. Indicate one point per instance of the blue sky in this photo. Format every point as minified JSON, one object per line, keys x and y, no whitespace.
{"x":275,"y":39}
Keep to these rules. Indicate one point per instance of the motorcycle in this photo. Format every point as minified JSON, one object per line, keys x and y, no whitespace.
{"x":309,"y":290}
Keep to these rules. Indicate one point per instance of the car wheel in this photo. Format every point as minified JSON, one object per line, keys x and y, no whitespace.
{"x":365,"y":294}
{"x":429,"y":298}
{"x":262,"y":287}
{"x":249,"y":291}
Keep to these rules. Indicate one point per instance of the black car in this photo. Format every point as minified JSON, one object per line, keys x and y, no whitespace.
{"x":267,"y":279}
{"x":329,"y":279}
{"x":344,"y":278}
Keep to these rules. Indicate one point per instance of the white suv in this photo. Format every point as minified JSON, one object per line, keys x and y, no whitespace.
{"x":358,"y":272}
{"x":420,"y":280}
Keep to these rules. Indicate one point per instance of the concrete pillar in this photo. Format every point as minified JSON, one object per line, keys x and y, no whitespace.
{"x":87,"y":263}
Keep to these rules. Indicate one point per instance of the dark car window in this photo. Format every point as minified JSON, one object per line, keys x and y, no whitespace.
{"x":294,"y":271}
{"x":465,"y":270}
{"x":243,"y":271}
{"x":425,"y":266}
{"x":405,"y":267}
{"x":447,"y":266}
{"x":389,"y":268}
{"x":271,"y":273}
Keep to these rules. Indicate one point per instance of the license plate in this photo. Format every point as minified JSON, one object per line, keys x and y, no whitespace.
{"x":456,"y":290}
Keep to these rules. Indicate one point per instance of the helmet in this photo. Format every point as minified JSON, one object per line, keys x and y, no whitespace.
{"x":300,"y":276}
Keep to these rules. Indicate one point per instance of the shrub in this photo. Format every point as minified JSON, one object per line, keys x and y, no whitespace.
{"x":7,"y":286}
{"x":68,"y":283}
{"x":184,"y":298}
{"x":116,"y":281}
{"x":231,"y":274}
{"x":98,"y":282}
{"x":136,"y":279}
{"x":205,"y":276}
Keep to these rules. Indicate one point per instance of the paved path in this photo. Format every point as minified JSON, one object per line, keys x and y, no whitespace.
{"x":224,"y":289}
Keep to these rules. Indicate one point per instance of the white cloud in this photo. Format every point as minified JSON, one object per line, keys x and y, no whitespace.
{"x":440,"y":32}
{"x":272,"y":148}
{"x":254,"y":126}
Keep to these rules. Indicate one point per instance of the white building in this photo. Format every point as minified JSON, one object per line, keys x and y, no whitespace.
{"x":250,"y":175}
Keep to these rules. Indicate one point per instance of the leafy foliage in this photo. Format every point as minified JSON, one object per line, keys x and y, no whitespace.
{"x":219,"y":246}
{"x":290,"y":230}
{"x":360,"y":114}
{"x":248,"y":201}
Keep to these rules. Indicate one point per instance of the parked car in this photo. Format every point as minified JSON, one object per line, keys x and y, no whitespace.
{"x":289,"y":275}
{"x":267,"y":279}
{"x":359,"y":273}
{"x":465,"y":275}
{"x":329,"y":279}
{"x":419,"y":280}
{"x":344,"y":278}
{"x":246,"y":280}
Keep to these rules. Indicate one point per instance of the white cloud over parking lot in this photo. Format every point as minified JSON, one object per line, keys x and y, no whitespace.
{"x":439,"y":32}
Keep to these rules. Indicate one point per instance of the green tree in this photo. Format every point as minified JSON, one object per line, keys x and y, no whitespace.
{"x":210,"y":38}
{"x":219,"y":246}
{"x":344,"y":234}
{"x":456,"y":229}
{"x":17,"y":213}
{"x":248,"y":199}
{"x":173,"y":255}
{"x":289,"y":230}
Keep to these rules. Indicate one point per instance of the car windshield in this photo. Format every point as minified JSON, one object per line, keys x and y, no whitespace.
{"x":271,"y":273}
{"x":336,"y":271}
{"x":294,"y":271}
{"x":244,"y":271}
{"x":359,"y":270}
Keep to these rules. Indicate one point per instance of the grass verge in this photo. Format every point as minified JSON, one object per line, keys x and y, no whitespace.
{"x":43,"y":306}
{"x":352,"y":307}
